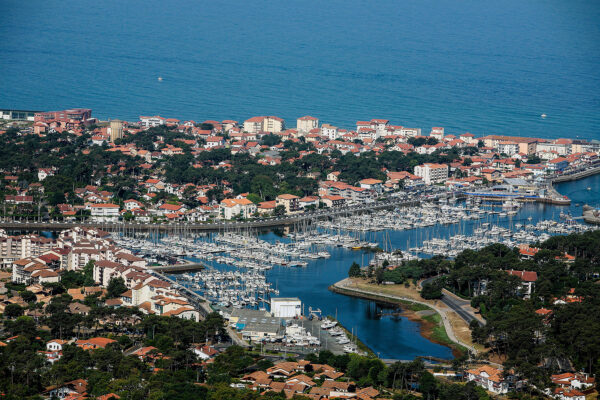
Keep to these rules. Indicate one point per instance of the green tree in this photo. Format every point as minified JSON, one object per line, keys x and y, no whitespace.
{"x":13,"y":311}
{"x":28,"y":296}
{"x":115,"y":287}
{"x":88,"y":273}
{"x":354,"y":270}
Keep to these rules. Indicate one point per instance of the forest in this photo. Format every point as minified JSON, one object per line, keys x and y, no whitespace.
{"x":535,"y":344}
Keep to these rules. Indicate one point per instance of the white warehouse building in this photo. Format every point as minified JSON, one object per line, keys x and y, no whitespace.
{"x":286,"y":307}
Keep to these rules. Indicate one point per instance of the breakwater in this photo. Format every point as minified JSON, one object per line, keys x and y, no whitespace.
{"x":577,"y":175}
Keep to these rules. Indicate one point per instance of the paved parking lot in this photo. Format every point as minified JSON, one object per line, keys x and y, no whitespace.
{"x":328,"y":342}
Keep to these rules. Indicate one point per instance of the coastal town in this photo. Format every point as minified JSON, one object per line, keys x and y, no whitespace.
{"x":288,"y":170}
{"x":98,"y":303}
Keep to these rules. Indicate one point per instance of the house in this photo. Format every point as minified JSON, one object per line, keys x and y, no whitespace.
{"x":568,"y":394}
{"x":168,"y":208}
{"x":528,"y":279}
{"x":132,"y":204}
{"x":333,"y":176}
{"x":145,"y":352}
{"x":67,"y":389}
{"x":267,"y":207}
{"x":372,"y":184}
{"x":284,"y":369}
{"x":43,"y":173}
{"x":333,"y":201}
{"x":94,"y":343}
{"x":570,"y":380}
{"x":490,"y":379}
{"x":55,"y":345}
{"x":205,"y":352}
{"x":526,"y":252}
{"x":78,"y":308}
{"x":309,"y":201}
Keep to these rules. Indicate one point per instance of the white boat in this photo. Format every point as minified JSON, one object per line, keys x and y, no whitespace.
{"x":350,"y":348}
{"x":327,"y":324}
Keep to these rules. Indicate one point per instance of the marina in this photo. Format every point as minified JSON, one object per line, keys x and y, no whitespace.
{"x":245,"y":269}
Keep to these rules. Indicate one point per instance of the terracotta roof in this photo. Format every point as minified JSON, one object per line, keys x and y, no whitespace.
{"x":527,"y":276}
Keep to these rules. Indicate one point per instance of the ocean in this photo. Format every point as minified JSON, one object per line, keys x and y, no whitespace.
{"x":482,"y":67}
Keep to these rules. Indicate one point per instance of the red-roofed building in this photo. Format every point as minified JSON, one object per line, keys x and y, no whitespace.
{"x":528,"y":279}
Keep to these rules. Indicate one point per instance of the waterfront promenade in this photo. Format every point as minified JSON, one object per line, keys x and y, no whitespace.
{"x":346,"y":287}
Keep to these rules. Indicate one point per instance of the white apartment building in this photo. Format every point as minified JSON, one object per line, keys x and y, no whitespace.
{"x":509,"y":148}
{"x":306,"y":124}
{"x":149,"y":122}
{"x":380,"y":126}
{"x":330,"y":131}
{"x":410,"y":132}
{"x":231,"y":208}
{"x":213,"y":141}
{"x":432,"y":173}
{"x":105,"y":212}
{"x":264,"y":124}
{"x":437,"y":133}
{"x":561,"y":148}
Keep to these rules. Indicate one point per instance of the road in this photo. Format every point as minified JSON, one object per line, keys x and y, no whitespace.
{"x":459,"y":306}
{"x":269,"y":222}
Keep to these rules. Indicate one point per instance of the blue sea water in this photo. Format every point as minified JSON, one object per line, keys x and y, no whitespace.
{"x":483,"y":67}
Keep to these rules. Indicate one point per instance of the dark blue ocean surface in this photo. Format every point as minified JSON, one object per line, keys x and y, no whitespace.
{"x":483,"y":67}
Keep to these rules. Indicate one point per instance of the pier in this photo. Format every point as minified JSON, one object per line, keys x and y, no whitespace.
{"x":591,"y":215}
{"x":177,"y":268}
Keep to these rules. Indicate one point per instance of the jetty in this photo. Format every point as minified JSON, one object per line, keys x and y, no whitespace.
{"x":591,"y":215}
{"x":176,"y":268}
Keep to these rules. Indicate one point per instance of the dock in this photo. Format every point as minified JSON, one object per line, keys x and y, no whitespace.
{"x":176,"y":268}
